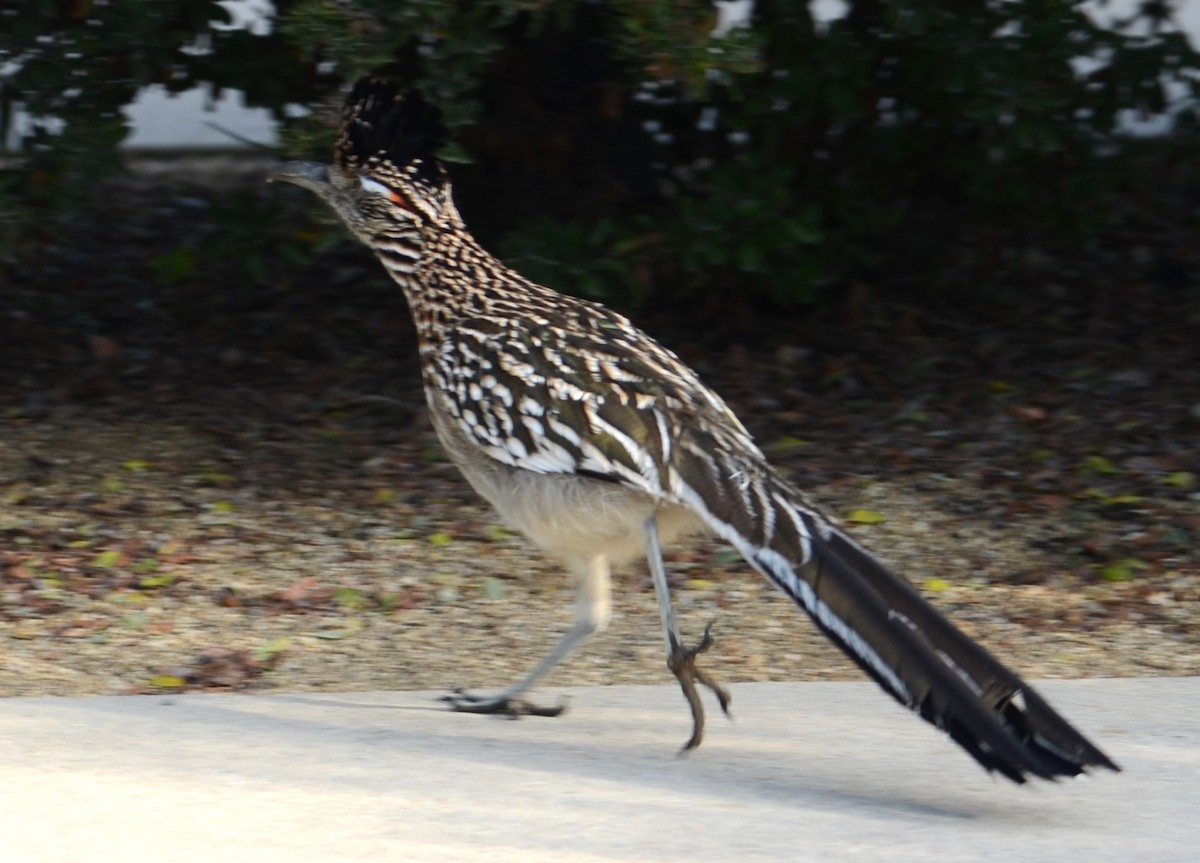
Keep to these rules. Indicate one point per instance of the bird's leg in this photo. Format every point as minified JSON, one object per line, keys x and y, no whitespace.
{"x":592,"y":612}
{"x":680,"y":659}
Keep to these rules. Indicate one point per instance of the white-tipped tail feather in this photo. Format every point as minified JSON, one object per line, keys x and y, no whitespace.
{"x":879,"y":619}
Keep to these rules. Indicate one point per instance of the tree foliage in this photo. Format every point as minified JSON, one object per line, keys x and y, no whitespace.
{"x":636,"y":146}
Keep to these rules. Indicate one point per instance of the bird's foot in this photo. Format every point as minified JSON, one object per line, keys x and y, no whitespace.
{"x":513,"y":708}
{"x":682,"y":662}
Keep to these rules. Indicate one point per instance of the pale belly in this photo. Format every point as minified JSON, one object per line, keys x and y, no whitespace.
{"x":571,"y":517}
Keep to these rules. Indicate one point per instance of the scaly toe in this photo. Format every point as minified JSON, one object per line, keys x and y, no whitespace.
{"x":514,"y":708}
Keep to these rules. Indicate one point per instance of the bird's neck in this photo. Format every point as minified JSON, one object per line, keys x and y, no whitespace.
{"x":447,"y":277}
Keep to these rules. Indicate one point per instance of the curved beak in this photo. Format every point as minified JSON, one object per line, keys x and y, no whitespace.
{"x":310,"y":175}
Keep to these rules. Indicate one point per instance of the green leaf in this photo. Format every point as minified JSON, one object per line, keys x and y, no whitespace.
{"x":936,"y":585}
{"x":1123,"y":570}
{"x":152,"y":582}
{"x":222,"y":506}
{"x":135,"y":464}
{"x":1099,"y":464}
{"x":1123,"y":500}
{"x":270,"y":650}
{"x":1116,"y":572}
{"x":349,"y":597}
{"x":167,"y":681}
{"x":353,"y":627}
{"x":175,"y":266}
{"x":455,"y":152}
{"x":494,"y":588}
{"x":497,"y":533}
{"x":726,"y":557}
{"x":1180,"y":479}
{"x":865,"y":516}
{"x":787,"y":443}
{"x":441,"y":539}
{"x":107,"y":559}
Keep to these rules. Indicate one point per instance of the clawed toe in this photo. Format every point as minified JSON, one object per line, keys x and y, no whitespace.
{"x":514,"y":708}
{"x":682,"y":662}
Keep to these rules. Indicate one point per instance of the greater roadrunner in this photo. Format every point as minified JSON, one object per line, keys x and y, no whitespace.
{"x":598,"y":444}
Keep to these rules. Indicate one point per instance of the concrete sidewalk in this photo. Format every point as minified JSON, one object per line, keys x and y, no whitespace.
{"x":807,"y":772}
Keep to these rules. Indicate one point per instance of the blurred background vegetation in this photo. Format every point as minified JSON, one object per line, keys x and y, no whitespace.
{"x":646,"y":151}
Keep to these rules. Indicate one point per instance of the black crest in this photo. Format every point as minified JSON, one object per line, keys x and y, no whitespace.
{"x":382,"y":125}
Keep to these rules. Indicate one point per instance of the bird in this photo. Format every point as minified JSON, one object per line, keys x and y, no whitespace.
{"x":599,"y":445}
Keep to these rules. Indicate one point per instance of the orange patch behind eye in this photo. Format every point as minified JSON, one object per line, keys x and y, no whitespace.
{"x":396,"y":198}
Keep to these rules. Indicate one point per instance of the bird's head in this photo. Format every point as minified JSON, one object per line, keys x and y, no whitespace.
{"x":385,"y":178}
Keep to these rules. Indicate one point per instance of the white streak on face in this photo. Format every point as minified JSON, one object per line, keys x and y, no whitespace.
{"x":375,"y":187}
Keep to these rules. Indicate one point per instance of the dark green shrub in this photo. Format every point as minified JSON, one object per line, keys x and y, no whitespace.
{"x":624,"y":148}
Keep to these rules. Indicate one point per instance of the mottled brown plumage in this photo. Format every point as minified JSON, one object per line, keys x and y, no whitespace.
{"x":599,"y":444}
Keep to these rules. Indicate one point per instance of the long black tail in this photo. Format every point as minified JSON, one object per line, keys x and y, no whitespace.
{"x":929,"y":665}
{"x":879,"y":619}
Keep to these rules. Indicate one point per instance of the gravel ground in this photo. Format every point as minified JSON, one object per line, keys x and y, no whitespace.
{"x":140,"y":555}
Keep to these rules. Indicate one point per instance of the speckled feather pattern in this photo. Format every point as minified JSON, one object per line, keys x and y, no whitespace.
{"x":557,"y":386}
